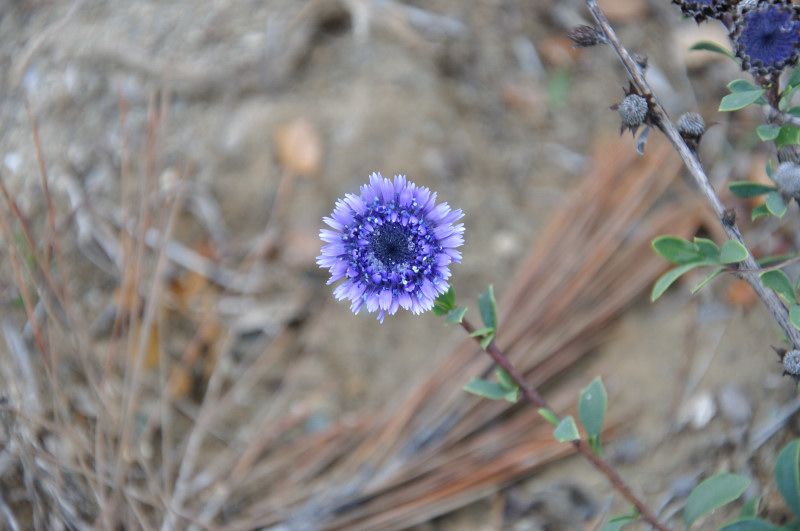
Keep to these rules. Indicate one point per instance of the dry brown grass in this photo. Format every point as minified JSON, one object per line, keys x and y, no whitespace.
{"x":151,"y":415}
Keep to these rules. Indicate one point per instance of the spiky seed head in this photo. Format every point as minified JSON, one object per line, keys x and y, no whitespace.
{"x":691,"y":124}
{"x":787,"y":177}
{"x":633,"y":110}
{"x":791,"y":362}
{"x":584,"y":36}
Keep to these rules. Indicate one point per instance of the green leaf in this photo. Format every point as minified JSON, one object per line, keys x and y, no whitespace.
{"x":482,"y":332}
{"x":676,"y":250}
{"x":794,"y":79}
{"x":712,"y":47}
{"x":786,"y":99}
{"x":490,"y":390}
{"x":789,"y":136}
{"x":566,"y":430}
{"x":768,"y":132}
{"x":732,"y":252}
{"x":707,"y":248}
{"x":741,"y":85}
{"x":455,"y":316}
{"x":505,"y":380}
{"x":446,"y":302}
{"x":488,"y":307}
{"x":749,"y":189}
{"x":749,"y":524}
{"x":794,"y":315}
{"x":750,"y":508}
{"x":708,"y":279}
{"x":775,"y":204}
{"x":740,"y":100}
{"x":668,"y":278}
{"x":486,"y":340}
{"x":714,"y":492}
{"x":769,"y":168}
{"x":549,"y":416}
{"x":618,"y":522}
{"x":778,"y":281}
{"x":759,"y":212}
{"x":787,"y":475}
{"x":592,"y":405}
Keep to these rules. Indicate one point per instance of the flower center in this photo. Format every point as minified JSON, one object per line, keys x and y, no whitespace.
{"x":391,"y":244}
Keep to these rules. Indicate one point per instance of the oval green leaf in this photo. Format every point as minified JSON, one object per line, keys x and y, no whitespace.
{"x":505,"y":380}
{"x":787,"y":475}
{"x":488,"y":307}
{"x":592,"y":407}
{"x":732,"y":252}
{"x":676,"y":250}
{"x":789,"y":136}
{"x":455,"y":316}
{"x":486,"y":389}
{"x":740,"y":100}
{"x":712,"y":47}
{"x":778,"y":281}
{"x":708,"y":279}
{"x":741,"y":85}
{"x":794,"y":315}
{"x":714,"y":492}
{"x":768,"y":132}
{"x":668,"y":278}
{"x":759,"y":212}
{"x":775,"y":204}
{"x":707,"y":248}
{"x":749,"y":189}
{"x":445,"y":302}
{"x":749,"y":509}
{"x":566,"y":430}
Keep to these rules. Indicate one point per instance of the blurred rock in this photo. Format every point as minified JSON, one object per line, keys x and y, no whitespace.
{"x":298,"y":146}
{"x":734,"y":405}
{"x":698,"y":411}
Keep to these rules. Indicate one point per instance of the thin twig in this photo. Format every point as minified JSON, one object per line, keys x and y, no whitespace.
{"x":689,"y":157}
{"x":580,"y":446}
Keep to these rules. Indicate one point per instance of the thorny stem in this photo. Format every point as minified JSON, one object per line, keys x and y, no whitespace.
{"x":580,"y":446}
{"x":767,"y":296}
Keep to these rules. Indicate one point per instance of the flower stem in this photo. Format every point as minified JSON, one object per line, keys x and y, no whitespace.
{"x":770,"y":299}
{"x":580,"y":445}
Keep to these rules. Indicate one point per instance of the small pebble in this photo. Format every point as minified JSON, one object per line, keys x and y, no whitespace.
{"x":735,"y":405}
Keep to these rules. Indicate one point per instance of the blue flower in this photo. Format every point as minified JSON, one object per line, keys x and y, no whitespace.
{"x":766,"y":37}
{"x":392,"y":244}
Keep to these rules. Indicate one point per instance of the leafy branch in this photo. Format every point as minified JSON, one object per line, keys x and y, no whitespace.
{"x":776,"y":308}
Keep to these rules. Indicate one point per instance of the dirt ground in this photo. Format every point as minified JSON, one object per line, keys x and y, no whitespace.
{"x":272,"y":110}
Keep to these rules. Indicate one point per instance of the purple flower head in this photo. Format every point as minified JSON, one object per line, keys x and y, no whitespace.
{"x":392,"y":244}
{"x":766,"y":37}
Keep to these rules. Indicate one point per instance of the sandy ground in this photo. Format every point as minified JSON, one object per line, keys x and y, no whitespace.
{"x":485,"y":102}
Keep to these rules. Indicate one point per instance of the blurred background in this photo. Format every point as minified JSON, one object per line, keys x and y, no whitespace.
{"x":173,"y":357}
